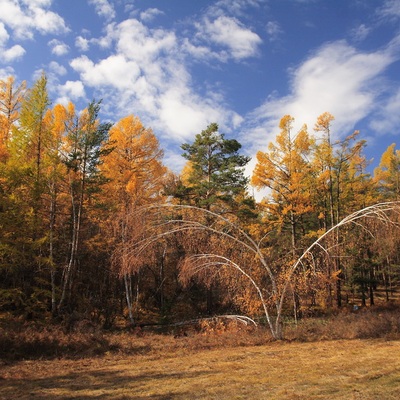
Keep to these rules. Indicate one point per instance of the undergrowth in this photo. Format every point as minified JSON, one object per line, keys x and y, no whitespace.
{"x":32,"y":340}
{"x":363,"y":323}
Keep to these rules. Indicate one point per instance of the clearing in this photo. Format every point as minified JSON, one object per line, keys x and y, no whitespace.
{"x":337,"y":369}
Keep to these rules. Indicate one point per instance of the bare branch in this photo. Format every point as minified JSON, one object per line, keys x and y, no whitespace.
{"x":378,"y":211}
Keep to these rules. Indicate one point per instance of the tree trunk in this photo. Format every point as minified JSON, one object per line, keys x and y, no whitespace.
{"x":128,"y":295}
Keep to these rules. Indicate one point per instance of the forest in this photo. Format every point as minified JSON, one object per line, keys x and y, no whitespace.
{"x":94,"y":227}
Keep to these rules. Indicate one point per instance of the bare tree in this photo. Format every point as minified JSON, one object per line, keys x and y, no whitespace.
{"x":216,"y":244}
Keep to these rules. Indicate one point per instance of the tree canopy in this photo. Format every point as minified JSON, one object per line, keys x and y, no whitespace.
{"x":94,"y":224}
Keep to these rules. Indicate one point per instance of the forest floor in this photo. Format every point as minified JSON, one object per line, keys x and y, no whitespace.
{"x":351,"y":355}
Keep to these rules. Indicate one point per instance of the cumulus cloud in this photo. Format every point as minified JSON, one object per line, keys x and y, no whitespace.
{"x":142,"y":44}
{"x":201,"y":52}
{"x":82,"y":43}
{"x":185,"y":114}
{"x":47,"y":21}
{"x":115,"y":71}
{"x":148,"y":74}
{"x":104,"y":8}
{"x":231,"y":34}
{"x":70,"y":91}
{"x":4,"y":36}
{"x":14,"y":53}
{"x":57,"y":69}
{"x":8,"y":55}
{"x":37,"y":3}
{"x":26,"y":17}
{"x":233,"y":7}
{"x":149,"y":14}
{"x":58,"y":48}
{"x":74,"y":89}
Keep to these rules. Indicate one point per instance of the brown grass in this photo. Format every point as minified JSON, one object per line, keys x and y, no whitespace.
{"x":345,"y":369}
{"x":365,"y":323}
{"x":346,"y":356}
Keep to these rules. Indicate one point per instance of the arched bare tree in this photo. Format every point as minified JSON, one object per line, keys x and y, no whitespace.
{"x":217,"y":243}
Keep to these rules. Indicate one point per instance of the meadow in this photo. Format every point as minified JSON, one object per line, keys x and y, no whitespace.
{"x":347,"y":356}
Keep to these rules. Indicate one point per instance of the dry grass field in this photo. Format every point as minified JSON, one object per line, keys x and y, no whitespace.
{"x":348,"y":356}
{"x":341,"y":369}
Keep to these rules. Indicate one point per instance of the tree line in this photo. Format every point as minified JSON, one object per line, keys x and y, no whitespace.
{"x":94,"y":225}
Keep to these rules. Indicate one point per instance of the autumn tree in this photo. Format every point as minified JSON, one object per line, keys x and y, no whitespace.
{"x":26,"y":151}
{"x":32,"y":131}
{"x":55,"y":196}
{"x":286,"y":171}
{"x":134,"y":173}
{"x":11,"y":98}
{"x":11,"y":216}
{"x":85,"y":142}
{"x":387,"y":174}
{"x":232,"y":251}
{"x":342,"y":186}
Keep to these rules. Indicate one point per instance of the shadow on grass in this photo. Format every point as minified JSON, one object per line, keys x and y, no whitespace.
{"x":17,"y":350}
{"x":103,"y":385}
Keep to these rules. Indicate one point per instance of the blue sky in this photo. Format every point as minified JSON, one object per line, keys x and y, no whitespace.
{"x":180,"y":64}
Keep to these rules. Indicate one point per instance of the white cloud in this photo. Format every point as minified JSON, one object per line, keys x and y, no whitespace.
{"x":174,"y":160}
{"x":142,"y":44}
{"x":26,"y":17}
{"x":228,"y":32}
{"x":6,"y":72}
{"x":234,"y":7}
{"x":185,"y":114}
{"x":9,"y":55}
{"x":390,"y":9}
{"x":4,"y":36}
{"x":274,"y":30}
{"x":70,"y":91}
{"x":387,"y":119}
{"x":149,"y":14}
{"x":181,"y":118}
{"x":13,"y":54}
{"x":58,"y":48}
{"x":47,"y":21}
{"x":57,"y":69}
{"x":37,"y":3}
{"x":148,"y":76}
{"x":104,"y":8}
{"x":361,"y":32}
{"x":115,"y":71}
{"x":74,"y":89}
{"x":82,"y":43}
{"x":201,"y":52}
{"x":338,"y":79}
{"x":12,"y":16}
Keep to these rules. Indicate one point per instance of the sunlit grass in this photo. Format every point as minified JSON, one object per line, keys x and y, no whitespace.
{"x":343,"y":369}
{"x":351,"y":355}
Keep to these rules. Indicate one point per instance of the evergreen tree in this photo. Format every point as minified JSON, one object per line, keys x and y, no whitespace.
{"x":216,"y":173}
{"x":214,"y":180}
{"x":85,"y":143}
